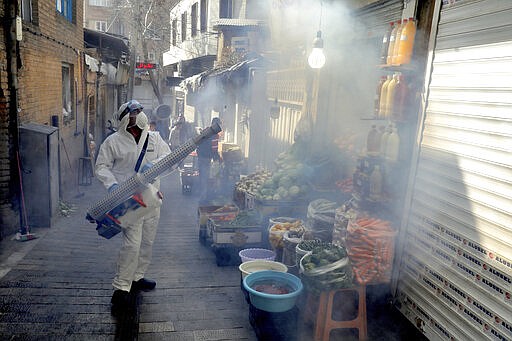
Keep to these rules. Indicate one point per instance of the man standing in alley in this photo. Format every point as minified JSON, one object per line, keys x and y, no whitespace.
{"x":206,"y":152}
{"x":132,"y":148}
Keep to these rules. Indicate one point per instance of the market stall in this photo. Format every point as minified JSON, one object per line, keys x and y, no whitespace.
{"x":332,"y":242}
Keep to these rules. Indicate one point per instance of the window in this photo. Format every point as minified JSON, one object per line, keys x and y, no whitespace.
{"x":100,"y":26}
{"x":174,"y":32}
{"x":193,"y":20}
{"x":65,"y":7}
{"x":101,"y":3}
{"x":67,"y":92}
{"x":26,"y":10}
{"x":184,"y":26}
{"x":226,"y":9}
{"x":151,"y":56}
{"x":204,"y":15}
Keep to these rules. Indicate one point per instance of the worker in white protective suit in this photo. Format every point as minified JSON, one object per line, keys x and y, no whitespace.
{"x":118,"y":160}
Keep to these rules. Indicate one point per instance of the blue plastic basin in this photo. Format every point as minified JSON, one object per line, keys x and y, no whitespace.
{"x":273,"y":303}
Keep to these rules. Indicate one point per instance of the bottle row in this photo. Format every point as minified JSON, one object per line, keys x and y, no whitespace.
{"x":383,"y":142}
{"x":391,"y":97}
{"x":398,"y":42}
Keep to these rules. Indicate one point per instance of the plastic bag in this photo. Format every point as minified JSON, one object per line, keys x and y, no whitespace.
{"x":320,"y":218}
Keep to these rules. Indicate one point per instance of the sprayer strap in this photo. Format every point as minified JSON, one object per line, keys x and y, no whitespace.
{"x":142,"y":153}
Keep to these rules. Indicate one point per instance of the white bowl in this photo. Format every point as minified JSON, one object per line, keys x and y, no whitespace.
{"x":261,"y":265}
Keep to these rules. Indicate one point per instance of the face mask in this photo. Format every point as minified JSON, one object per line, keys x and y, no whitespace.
{"x":141,"y":121}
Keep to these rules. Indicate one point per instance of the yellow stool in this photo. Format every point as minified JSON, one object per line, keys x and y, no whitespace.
{"x":324,"y":322}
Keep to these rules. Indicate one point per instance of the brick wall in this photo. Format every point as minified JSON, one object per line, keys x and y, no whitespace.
{"x":47,"y":43}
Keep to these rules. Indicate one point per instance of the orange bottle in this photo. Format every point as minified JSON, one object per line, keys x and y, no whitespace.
{"x":390,"y":93}
{"x":406,"y":43}
{"x":383,"y":97}
{"x":392,"y":40}
{"x":394,"y":57}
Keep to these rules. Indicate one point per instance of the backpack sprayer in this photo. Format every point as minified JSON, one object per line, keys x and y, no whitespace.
{"x":136,"y":196}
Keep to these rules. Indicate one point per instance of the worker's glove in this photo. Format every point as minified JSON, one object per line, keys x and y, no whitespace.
{"x":146,"y":167}
{"x":112,"y":188}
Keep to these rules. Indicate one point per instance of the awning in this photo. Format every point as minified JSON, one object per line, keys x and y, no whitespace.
{"x":223,"y":74}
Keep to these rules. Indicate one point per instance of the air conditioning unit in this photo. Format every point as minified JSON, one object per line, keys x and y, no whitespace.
{"x":240,"y":44}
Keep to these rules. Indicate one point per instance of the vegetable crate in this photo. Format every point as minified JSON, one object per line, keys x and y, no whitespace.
{"x":282,"y":208}
{"x":235,"y":235}
{"x":218,"y":213}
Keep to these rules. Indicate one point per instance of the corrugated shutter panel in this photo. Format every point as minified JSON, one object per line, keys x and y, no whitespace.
{"x":375,"y":18}
{"x":455,"y":277}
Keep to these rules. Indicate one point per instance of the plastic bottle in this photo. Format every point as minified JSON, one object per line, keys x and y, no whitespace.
{"x":377,"y":97}
{"x":394,"y":58}
{"x":392,"y":40}
{"x":390,"y":93}
{"x":383,"y":97}
{"x":375,"y":183}
{"x":372,"y":145}
{"x":385,"y":43}
{"x":384,"y":140}
{"x":392,"y":146}
{"x":406,"y":43}
{"x":400,"y":99}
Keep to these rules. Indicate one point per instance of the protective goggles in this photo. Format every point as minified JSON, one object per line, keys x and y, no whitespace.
{"x":133,"y":108}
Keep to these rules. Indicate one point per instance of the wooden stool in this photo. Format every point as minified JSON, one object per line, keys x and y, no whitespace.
{"x":324,"y":322}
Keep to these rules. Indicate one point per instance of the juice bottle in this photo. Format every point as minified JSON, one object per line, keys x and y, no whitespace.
{"x":383,"y":97}
{"x":394,"y":58}
{"x":390,"y":93}
{"x":392,"y":40}
{"x":377,"y":96}
{"x":406,"y":43}
{"x":376,"y":183}
{"x":400,"y":99}
{"x":392,"y":146}
{"x":384,"y":140}
{"x":372,"y":145}
{"x":385,"y":44}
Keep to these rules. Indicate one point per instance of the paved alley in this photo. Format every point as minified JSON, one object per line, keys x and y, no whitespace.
{"x":59,"y":285}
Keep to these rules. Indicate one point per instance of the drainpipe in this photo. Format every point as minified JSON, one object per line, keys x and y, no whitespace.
{"x":12,"y":54}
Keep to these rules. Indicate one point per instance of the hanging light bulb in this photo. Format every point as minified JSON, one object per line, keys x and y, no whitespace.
{"x":317,"y":58}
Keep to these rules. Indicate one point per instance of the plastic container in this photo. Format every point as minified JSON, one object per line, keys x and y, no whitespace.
{"x":372,"y":145}
{"x":383,"y":97}
{"x":399,"y":100}
{"x":406,"y":43}
{"x":392,"y":41}
{"x":390,"y":95}
{"x":376,"y":112}
{"x":249,"y":267}
{"x":385,"y":43}
{"x":256,"y":253}
{"x":274,"y":303}
{"x":394,"y":58}
{"x":289,"y":249}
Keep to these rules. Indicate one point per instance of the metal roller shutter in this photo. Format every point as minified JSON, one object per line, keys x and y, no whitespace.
{"x":375,"y":18}
{"x":455,"y":266}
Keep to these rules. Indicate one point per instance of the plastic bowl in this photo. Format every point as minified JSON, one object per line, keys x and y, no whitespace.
{"x":261,"y":265}
{"x":256,"y":253}
{"x":273,"y":303}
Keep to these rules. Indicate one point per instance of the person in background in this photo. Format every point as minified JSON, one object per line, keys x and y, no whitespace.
{"x":152,"y":126}
{"x":120,"y":157}
{"x":181,"y":132}
{"x":207,"y":152}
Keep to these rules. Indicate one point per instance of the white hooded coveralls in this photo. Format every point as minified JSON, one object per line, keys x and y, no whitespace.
{"x":116,"y":161}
